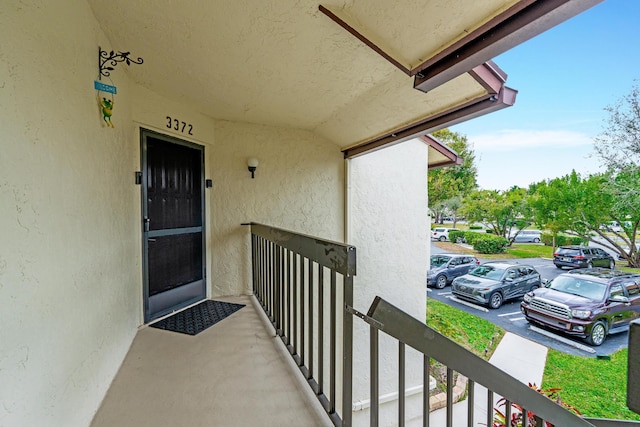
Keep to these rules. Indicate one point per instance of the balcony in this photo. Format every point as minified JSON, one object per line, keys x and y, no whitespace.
{"x":235,"y":373}
{"x":284,"y":359}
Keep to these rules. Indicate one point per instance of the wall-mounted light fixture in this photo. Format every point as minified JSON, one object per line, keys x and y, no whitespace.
{"x":253,"y":165}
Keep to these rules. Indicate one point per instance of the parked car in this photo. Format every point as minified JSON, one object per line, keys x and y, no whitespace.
{"x":611,"y":226}
{"x":589,"y":304}
{"x":528,"y":236}
{"x":492,"y":283}
{"x":446,"y":267}
{"x":582,"y":257}
{"x":441,"y":233}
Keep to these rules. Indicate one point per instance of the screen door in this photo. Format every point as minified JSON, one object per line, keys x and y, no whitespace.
{"x":172,"y":232}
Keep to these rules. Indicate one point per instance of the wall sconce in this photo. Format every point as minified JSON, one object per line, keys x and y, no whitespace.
{"x":253,"y":165}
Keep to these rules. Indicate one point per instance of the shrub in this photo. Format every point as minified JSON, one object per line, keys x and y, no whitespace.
{"x":457,"y":236}
{"x":475,"y":227}
{"x":486,"y":243}
{"x":471,"y":237}
{"x":518,"y":413}
{"x":562,"y":240}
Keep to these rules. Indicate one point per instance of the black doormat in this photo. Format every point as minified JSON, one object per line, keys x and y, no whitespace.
{"x":196,"y":319}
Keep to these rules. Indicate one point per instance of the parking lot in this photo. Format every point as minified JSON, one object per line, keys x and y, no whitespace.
{"x":509,"y":317}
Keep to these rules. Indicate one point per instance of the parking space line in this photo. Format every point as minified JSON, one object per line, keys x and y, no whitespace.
{"x":468,"y":304}
{"x":515,"y":319}
{"x":562,"y":339}
{"x":509,"y":314}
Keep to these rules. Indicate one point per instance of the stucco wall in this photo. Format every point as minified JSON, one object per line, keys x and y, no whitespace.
{"x":69,"y":271}
{"x":388,"y":223}
{"x":70,"y":252}
{"x":299,"y":186}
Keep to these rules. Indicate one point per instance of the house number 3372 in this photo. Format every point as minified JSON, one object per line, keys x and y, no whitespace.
{"x":180,"y":126}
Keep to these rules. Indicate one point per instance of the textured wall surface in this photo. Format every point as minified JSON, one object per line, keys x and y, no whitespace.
{"x":69,"y":270}
{"x":388,"y":223}
{"x":70,"y":222}
{"x":299,"y":186}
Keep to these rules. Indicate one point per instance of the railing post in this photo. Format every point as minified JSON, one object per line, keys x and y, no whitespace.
{"x":633,"y":367}
{"x":374,"y":392}
{"x":471,"y":393}
{"x":449,"y":397}
{"x":254,"y":264}
{"x":401,"y":383}
{"x":426,"y":407}
{"x":347,"y":353}
{"x":278,"y":285}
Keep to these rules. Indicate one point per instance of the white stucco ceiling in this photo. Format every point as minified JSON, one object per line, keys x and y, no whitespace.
{"x":285,"y":63}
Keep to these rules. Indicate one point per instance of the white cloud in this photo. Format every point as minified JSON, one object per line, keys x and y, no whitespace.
{"x":517,"y":139}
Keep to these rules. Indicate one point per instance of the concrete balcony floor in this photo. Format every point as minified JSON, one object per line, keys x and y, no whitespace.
{"x":235,"y":373}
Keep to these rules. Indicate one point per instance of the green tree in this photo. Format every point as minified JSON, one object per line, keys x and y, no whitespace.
{"x":584,"y":207}
{"x":503,"y":212}
{"x":447,"y":184}
{"x":618,"y":147}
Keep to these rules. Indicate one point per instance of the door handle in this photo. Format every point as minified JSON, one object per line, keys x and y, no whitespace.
{"x":146,"y":222}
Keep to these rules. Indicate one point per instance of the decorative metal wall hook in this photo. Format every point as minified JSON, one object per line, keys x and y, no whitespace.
{"x":108,"y":60}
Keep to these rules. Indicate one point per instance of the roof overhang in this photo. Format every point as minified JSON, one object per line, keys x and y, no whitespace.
{"x":395,"y":69}
{"x":439,"y":154}
{"x":494,"y":97}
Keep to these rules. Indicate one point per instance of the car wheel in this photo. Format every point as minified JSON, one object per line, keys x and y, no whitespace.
{"x":441,"y":281}
{"x":558,"y":266}
{"x":598,"y":333}
{"x":536,"y":240}
{"x":442,"y":238}
{"x":612,"y":264}
{"x":533,"y":288}
{"x":495,"y":300}
{"x":589,"y":264}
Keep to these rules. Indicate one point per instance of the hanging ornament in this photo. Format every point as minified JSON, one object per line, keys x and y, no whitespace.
{"x":105,"y":95}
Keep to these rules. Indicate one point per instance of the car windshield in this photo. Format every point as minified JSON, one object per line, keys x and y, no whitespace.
{"x":439,"y":260}
{"x":580,"y":287}
{"x":568,"y":251}
{"x":488,"y":272}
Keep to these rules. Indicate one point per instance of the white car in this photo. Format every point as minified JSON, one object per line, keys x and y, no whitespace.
{"x":441,"y":233}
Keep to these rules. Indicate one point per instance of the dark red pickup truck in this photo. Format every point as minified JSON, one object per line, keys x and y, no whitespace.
{"x":589,"y":303}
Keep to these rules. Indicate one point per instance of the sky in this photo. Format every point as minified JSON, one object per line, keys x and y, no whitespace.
{"x":565,"y":79}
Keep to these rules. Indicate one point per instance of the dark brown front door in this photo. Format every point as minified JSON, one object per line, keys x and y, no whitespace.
{"x":173,"y":232}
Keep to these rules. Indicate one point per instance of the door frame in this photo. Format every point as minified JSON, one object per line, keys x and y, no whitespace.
{"x":202,"y":288}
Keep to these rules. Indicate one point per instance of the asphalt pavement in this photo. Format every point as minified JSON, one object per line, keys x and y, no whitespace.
{"x":509,"y":317}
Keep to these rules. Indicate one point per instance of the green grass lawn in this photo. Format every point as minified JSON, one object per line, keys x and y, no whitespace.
{"x":523,"y":250}
{"x":475,"y":334}
{"x":596,"y":387}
